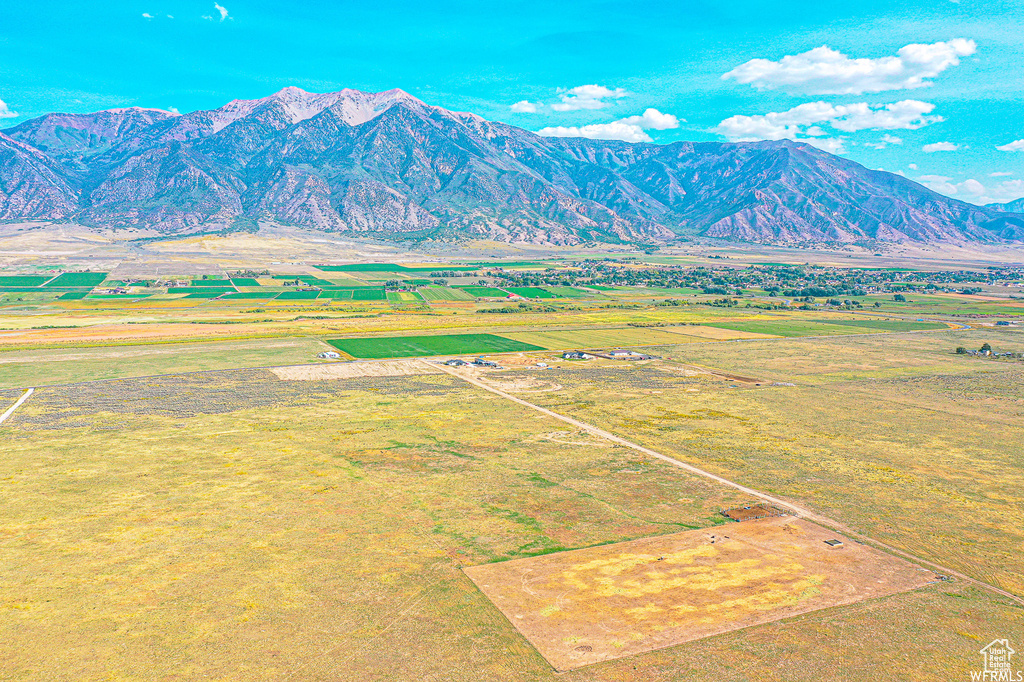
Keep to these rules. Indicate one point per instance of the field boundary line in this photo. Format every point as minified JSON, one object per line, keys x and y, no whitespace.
{"x":800,"y":511}
{"x":16,"y":405}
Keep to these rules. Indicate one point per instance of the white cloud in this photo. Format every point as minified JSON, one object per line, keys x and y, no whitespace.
{"x":524,"y":107}
{"x":778,"y":125}
{"x":805,"y":120}
{"x":653,"y":119}
{"x":1000,"y":174}
{"x":587,"y":97}
{"x":824,"y":71}
{"x":832,"y":145}
{"x":1015,"y":146}
{"x":1008,"y":190}
{"x":940,"y":147}
{"x":629,"y":129}
{"x":5,"y":111}
{"x":223,"y":11}
{"x":910,"y":114}
{"x":616,"y":130}
{"x":912,"y":166}
{"x":147,"y":15}
{"x":174,"y":110}
{"x":886,"y":141}
{"x":974,"y":191}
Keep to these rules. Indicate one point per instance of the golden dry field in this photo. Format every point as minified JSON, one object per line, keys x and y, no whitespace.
{"x":607,"y":602}
{"x":239,"y":525}
{"x":190,"y":492}
{"x":894,"y":434}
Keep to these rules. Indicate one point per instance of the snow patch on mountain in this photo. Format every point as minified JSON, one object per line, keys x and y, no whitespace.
{"x":353,"y":106}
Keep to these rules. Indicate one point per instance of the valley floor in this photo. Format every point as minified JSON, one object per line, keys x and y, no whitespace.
{"x":190,"y":492}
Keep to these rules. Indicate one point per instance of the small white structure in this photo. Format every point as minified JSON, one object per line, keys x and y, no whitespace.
{"x":329,"y":355}
{"x":619,"y":354}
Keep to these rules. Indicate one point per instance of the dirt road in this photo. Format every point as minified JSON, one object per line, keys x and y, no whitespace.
{"x":794,"y":509}
{"x":16,"y":405}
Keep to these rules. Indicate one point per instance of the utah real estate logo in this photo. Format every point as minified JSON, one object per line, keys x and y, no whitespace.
{"x":998,"y":655}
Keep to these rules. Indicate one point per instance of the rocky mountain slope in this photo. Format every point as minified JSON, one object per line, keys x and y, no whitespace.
{"x":387,"y":164}
{"x":1015,"y":206}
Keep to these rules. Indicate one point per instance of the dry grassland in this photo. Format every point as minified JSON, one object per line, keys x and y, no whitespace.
{"x":352,"y":370}
{"x":627,"y":336}
{"x":234,"y":525}
{"x":894,"y":435}
{"x":618,"y":600}
{"x":70,"y":365}
{"x":237,"y":525}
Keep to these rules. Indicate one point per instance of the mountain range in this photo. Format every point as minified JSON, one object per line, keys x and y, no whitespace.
{"x":1015,"y":206}
{"x":388,"y":165}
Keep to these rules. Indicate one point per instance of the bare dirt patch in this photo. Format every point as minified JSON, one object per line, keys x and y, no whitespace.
{"x":523,"y":384}
{"x":755,"y":510}
{"x":581,"y":438}
{"x":601,"y":603}
{"x":353,"y":370}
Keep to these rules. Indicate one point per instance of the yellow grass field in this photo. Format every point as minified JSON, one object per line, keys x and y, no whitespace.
{"x":617,"y":600}
{"x":627,"y":336}
{"x":190,"y":493}
{"x":896,"y":435}
{"x":237,"y":525}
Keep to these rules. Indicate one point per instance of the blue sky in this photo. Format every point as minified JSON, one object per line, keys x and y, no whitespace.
{"x":936,"y":111}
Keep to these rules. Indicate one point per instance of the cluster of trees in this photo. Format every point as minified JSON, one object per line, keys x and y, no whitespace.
{"x":524,"y":307}
{"x":985,"y":348}
{"x":824,"y":292}
{"x":795,"y":281}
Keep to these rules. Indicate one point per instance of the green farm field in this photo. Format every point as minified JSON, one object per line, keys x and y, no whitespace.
{"x":891,"y":325}
{"x":298,"y":295}
{"x":404,"y":296}
{"x":201,"y":290}
{"x":338,"y":281}
{"x":569,"y":292}
{"x":531,"y":292}
{"x":434,"y":293}
{"x":77,"y":279}
{"x":368,"y":294}
{"x":414,"y":346}
{"x":23,"y":280}
{"x":484,"y":292}
{"x":248,"y":295}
